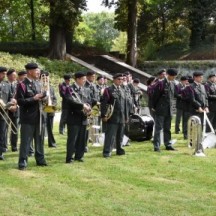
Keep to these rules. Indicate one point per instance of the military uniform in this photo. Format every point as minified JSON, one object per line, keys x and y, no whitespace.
{"x":5,"y":96}
{"x":115,"y":125}
{"x":30,"y":120}
{"x":210,"y":88}
{"x":76,"y":122}
{"x":162,"y":99}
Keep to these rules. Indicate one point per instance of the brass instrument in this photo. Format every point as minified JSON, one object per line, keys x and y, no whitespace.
{"x":110,"y":109}
{"x":195,"y":135}
{"x":45,"y":85}
{"x":5,"y":116}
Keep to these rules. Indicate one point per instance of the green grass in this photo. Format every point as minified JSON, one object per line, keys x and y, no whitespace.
{"x":140,"y":183}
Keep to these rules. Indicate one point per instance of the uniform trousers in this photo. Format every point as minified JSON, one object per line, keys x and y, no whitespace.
{"x":49,"y":126}
{"x":178,"y":120}
{"x":3,"y":129}
{"x":113,"y":135}
{"x":162,"y":123}
{"x":28,"y":132}
{"x":63,"y":121}
{"x":76,"y":141}
{"x":13,"y":136}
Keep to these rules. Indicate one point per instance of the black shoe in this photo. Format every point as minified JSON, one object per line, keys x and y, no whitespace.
{"x":53,"y":146}
{"x":157,"y":150}
{"x":86,"y":149}
{"x":21,"y":167}
{"x":62,"y":133}
{"x":185,"y":137}
{"x":170,"y":148}
{"x":106,"y":155}
{"x":14,"y":149}
{"x":70,"y":161}
{"x":177,"y":132}
{"x":1,"y":157}
{"x":42,"y":164}
{"x":120,"y":152}
{"x":79,"y":159}
{"x":30,"y":154}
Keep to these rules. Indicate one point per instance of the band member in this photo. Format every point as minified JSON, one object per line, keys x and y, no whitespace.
{"x":95,"y":97}
{"x":161,"y":75}
{"x":162,"y":106}
{"x":114,"y":95}
{"x":21,"y":76}
{"x":137,"y":95}
{"x":5,"y":99}
{"x":79,"y":106}
{"x":49,"y":114}
{"x":29,"y":98}
{"x":150,"y":91}
{"x":179,"y":105}
{"x":62,"y":91}
{"x":196,"y":96}
{"x":210,"y":87}
{"x":13,"y":110}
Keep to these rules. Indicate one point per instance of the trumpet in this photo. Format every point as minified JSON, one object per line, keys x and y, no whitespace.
{"x":5,"y":115}
{"x":45,"y":88}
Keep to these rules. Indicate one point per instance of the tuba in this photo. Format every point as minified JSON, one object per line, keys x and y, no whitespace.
{"x":195,"y":135}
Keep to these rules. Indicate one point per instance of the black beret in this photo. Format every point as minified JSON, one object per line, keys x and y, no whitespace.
{"x":150,"y":80}
{"x":161,"y":71}
{"x":211,"y":75}
{"x":10,"y":71}
{"x":3,"y":69}
{"x":100,"y":77}
{"x":136,"y":80}
{"x":172,"y":72}
{"x":44,"y":72}
{"x":30,"y":66}
{"x":67,"y":76}
{"x":90,"y":73}
{"x":79,"y":74}
{"x":183,"y":78}
{"x":197,"y":73}
{"x":22,"y":73}
{"x":126,"y":73}
{"x":117,"y":75}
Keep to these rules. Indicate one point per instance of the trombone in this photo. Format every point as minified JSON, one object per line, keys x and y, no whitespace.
{"x":5,"y":115}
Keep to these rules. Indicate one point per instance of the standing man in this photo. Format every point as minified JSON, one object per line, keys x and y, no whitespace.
{"x":115,"y":96}
{"x":162,"y":99}
{"x":5,"y":100}
{"x":79,"y":106}
{"x":13,"y":110}
{"x":62,"y":91}
{"x":29,"y":98}
{"x":49,"y":109}
{"x":210,"y":88}
{"x":21,"y":75}
{"x":179,"y":104}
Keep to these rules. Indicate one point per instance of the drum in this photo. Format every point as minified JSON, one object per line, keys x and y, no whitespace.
{"x":140,"y":127}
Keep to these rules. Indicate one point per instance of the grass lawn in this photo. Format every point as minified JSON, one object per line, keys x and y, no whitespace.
{"x":140,"y":183}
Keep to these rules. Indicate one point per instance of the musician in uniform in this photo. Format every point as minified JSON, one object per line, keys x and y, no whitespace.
{"x":94,"y":94}
{"x":79,"y":106}
{"x":5,"y":99}
{"x":13,"y":111}
{"x":50,"y":113}
{"x":21,"y":75}
{"x":115,"y":96}
{"x":62,"y":91}
{"x":137,"y":95}
{"x":196,"y":96}
{"x":179,"y":104}
{"x":162,"y":99}
{"x":29,"y":98}
{"x":210,"y":87}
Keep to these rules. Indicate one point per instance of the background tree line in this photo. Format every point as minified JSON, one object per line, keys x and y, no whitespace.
{"x":137,"y":26}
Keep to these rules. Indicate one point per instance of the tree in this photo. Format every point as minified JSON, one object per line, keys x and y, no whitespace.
{"x":64,"y":16}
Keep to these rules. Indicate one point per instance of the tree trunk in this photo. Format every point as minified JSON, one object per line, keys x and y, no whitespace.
{"x":132,"y":33}
{"x":57,"y":44}
{"x":69,"y":41}
{"x":32,"y":20}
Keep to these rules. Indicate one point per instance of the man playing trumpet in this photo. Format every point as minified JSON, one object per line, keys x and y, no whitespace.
{"x":5,"y":102}
{"x":79,"y":101}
